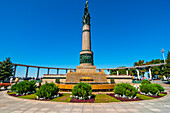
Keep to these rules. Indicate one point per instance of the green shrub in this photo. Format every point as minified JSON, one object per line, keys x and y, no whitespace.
{"x":24,"y":87}
{"x":112,"y":81}
{"x":125,"y":89}
{"x":145,"y":82}
{"x":32,"y":86}
{"x":146,"y":88}
{"x":57,"y":80}
{"x":159,"y":87}
{"x":47,"y":90}
{"x":13,"y":87}
{"x":82,"y":90}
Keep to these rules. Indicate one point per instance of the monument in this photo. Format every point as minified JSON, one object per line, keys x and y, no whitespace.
{"x":86,"y":72}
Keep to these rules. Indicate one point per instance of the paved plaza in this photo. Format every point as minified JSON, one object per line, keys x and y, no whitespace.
{"x":14,"y":105}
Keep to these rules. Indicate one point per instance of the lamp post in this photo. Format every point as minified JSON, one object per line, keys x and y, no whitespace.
{"x":162,"y":51}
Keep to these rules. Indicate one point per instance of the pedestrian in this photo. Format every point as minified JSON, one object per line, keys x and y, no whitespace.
{"x":16,"y":80}
{"x":11,"y":80}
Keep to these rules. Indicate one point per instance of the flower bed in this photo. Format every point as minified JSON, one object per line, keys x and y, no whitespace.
{"x":123,"y":99}
{"x":14,"y":94}
{"x":82,"y":101}
{"x":5,"y":85}
{"x":154,"y":96}
{"x":99,"y":98}
{"x":164,"y":93}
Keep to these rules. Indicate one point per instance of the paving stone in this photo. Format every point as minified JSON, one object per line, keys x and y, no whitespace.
{"x":134,"y":110}
{"x":108,"y":110}
{"x":29,"y":111}
{"x":87,"y":109}
{"x":167,"y":105}
{"x":121,"y":110}
{"x":155,"y":109}
{"x":88,"y":112}
{"x":17,"y":111}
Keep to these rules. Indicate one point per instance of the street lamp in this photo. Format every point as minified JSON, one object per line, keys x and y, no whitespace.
{"x":162,"y":51}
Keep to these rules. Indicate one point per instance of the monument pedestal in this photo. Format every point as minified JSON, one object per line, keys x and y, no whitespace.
{"x":85,"y":69}
{"x":87,"y":77}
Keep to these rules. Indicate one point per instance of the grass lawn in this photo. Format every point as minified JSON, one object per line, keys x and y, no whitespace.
{"x":64,"y":98}
{"x":160,"y":94}
{"x":102,"y":98}
{"x":32,"y":96}
{"x":11,"y":93}
{"x":144,"y":97}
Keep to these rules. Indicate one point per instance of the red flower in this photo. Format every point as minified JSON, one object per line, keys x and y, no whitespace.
{"x":4,"y":84}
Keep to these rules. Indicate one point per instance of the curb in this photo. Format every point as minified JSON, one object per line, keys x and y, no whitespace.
{"x":65,"y":103}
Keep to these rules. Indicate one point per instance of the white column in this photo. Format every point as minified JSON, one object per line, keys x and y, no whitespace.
{"x":117,"y":72}
{"x":150,"y":74}
{"x":127,"y":72}
{"x":108,"y":71}
{"x":138,"y":73}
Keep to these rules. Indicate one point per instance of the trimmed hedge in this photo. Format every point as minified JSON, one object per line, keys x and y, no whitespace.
{"x":24,"y":87}
{"x":82,"y":90}
{"x":48,"y":90}
{"x":145,"y":82}
{"x":149,"y":89}
{"x":125,"y":89}
{"x":159,"y":87}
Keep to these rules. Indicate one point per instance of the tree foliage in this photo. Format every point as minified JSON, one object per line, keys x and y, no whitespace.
{"x":6,"y":69}
{"x":47,"y":90}
{"x":167,"y":66}
{"x":82,"y":90}
{"x":121,"y":71}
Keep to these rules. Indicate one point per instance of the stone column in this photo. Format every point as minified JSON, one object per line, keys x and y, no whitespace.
{"x":48,"y":72}
{"x":15,"y":70}
{"x":150,"y":73}
{"x":138,"y":73}
{"x":86,"y":39}
{"x":38,"y":72}
{"x":57,"y":71}
{"x":117,"y":72}
{"x":27,"y":72}
{"x":86,"y":55}
{"x":127,"y":72}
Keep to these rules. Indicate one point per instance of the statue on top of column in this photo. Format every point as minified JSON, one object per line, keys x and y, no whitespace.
{"x":86,"y":17}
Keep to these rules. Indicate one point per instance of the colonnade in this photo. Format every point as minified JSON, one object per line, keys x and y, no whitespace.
{"x":72,"y":69}
{"x":38,"y":69}
{"x":127,"y":71}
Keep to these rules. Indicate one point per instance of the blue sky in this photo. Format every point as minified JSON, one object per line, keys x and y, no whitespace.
{"x":49,"y":32}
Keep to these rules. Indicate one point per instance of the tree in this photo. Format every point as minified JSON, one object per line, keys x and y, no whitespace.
{"x":142,"y":71}
{"x":156,"y":70}
{"x":140,"y":63}
{"x":121,"y":71}
{"x":6,"y":69}
{"x":113,"y":72}
{"x":133,"y":72}
{"x":167,"y":66}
